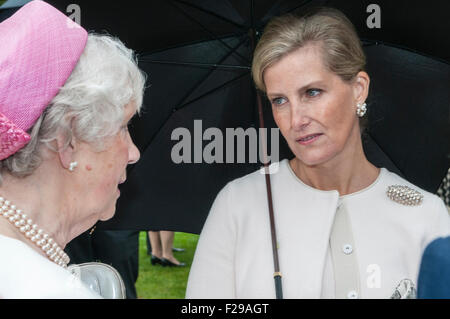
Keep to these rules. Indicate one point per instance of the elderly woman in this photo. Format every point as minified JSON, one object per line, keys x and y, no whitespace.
{"x":340,"y":234}
{"x":66,"y":98}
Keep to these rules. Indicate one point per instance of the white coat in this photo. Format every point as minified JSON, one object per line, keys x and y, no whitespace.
{"x":234,"y":257}
{"x":26,"y":274}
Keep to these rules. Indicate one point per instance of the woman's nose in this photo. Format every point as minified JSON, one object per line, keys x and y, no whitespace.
{"x":299,"y":117}
{"x":133,"y":153}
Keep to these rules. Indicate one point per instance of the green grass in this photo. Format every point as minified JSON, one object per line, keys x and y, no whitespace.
{"x":157,"y":282}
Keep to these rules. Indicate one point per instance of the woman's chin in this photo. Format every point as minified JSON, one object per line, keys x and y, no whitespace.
{"x":107,"y":215}
{"x":312,"y":161}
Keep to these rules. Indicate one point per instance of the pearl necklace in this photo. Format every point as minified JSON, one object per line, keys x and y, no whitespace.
{"x":33,"y":232}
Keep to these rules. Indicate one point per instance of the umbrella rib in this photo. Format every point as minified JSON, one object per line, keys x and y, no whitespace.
{"x":213,"y":90}
{"x":200,"y":65}
{"x":209,"y":73}
{"x":210,"y":13}
{"x":209,"y":32}
{"x":371,"y":42}
{"x":252,"y":18}
{"x":188,"y":43}
{"x":271,"y":12}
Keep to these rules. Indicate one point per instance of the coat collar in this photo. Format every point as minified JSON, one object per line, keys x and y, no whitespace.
{"x":304,"y":218}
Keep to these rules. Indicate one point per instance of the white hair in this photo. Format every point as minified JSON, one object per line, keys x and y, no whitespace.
{"x":90,"y":106}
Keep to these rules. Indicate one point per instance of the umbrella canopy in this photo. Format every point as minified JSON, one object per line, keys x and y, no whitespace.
{"x":409,"y":103}
{"x":147,"y":26}
{"x":198,"y":55}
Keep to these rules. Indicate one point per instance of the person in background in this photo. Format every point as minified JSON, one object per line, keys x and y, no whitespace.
{"x":444,"y":190}
{"x":434,"y":275}
{"x":160,"y":248}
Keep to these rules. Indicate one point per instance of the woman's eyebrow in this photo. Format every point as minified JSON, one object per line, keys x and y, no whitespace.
{"x":310,"y":84}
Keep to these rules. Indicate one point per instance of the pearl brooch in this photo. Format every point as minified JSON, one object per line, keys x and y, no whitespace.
{"x":31,"y":231}
{"x":404,"y":195}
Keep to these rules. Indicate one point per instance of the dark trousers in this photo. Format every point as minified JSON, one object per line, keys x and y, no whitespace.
{"x":149,"y":246}
{"x":118,"y":248}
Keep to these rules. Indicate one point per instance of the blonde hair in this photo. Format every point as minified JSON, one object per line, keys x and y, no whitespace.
{"x":341,"y":48}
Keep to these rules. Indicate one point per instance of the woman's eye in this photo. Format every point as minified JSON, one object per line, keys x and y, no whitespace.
{"x":278,"y":101}
{"x":313,"y":92}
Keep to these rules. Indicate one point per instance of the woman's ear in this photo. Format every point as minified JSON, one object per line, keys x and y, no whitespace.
{"x":66,"y":151}
{"x":361,"y":86}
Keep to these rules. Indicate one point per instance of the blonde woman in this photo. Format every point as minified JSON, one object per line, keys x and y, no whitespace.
{"x":339,"y":233}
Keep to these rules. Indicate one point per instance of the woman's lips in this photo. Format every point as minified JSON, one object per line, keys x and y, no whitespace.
{"x":309,"y":139}
{"x":120,"y":182}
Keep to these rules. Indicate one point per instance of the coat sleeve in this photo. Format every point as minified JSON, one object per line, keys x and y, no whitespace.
{"x":212,"y":271}
{"x":434,"y":275}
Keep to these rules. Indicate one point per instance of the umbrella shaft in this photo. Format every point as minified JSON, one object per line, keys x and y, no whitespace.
{"x":277,"y":277}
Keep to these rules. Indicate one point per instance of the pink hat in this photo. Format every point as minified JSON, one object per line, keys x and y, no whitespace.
{"x":40,"y":47}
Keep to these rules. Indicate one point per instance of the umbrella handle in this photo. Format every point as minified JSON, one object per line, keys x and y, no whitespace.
{"x":277,"y":273}
{"x":278,"y":287}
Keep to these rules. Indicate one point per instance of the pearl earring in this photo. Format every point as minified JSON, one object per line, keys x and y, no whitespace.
{"x":72,"y":166}
{"x":361,"y":109}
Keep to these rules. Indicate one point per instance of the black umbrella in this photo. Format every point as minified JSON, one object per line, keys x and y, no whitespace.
{"x":148,"y":26}
{"x":198,"y":53}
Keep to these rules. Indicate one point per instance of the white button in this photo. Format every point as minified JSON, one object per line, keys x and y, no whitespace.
{"x":347,"y":249}
{"x":352,"y":295}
